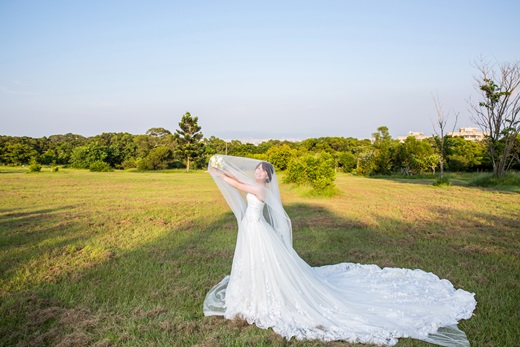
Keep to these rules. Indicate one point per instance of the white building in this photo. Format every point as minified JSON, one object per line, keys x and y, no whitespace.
{"x":417,"y":134}
{"x":470,"y":134}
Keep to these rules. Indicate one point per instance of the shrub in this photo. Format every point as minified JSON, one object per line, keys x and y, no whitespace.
{"x":347,"y":161}
{"x":366,"y":164}
{"x":130,"y":163}
{"x":55,"y":169}
{"x":100,"y":166}
{"x":314,"y":171}
{"x":35,"y":166}
{"x":84,"y":156}
{"x":442,"y":182}
{"x":509,"y":179}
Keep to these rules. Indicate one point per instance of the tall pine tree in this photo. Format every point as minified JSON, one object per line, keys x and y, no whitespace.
{"x":189,"y":139}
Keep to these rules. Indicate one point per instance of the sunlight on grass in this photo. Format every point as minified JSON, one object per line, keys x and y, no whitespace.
{"x":126,"y":258}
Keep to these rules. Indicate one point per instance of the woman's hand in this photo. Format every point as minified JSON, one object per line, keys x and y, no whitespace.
{"x":215,"y":171}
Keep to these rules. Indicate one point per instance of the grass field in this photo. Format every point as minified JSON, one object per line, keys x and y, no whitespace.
{"x":126,"y":258}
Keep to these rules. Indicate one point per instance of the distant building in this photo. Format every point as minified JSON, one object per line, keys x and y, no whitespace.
{"x":417,"y":134}
{"x":470,"y":134}
{"x":257,"y":141}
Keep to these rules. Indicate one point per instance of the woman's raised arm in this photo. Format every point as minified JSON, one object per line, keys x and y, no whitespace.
{"x":236,"y":183}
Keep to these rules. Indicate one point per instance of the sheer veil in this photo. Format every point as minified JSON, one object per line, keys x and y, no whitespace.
{"x":244,"y":170}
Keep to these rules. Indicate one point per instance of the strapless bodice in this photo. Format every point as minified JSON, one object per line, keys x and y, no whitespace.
{"x":255,"y":208}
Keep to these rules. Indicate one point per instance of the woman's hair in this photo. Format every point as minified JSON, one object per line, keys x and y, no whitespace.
{"x":267,"y":167}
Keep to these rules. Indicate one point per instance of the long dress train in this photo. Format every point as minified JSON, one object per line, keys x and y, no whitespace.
{"x":272,"y":287}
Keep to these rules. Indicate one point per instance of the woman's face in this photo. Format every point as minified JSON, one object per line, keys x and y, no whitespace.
{"x":260,"y":173}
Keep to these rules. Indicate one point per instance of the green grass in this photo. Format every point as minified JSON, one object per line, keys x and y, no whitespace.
{"x":509,"y":183}
{"x":126,"y":258}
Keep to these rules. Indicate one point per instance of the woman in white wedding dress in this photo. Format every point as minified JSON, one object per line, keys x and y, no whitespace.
{"x":272,"y":287}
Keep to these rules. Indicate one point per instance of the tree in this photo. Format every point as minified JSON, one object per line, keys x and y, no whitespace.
{"x":18,"y":153}
{"x":82,"y":157}
{"x":383,"y":145}
{"x":157,"y":132}
{"x":280,"y":156}
{"x":215,"y":145}
{"x":159,"y":158}
{"x":122,"y":148}
{"x":346,"y":161}
{"x":239,"y":149}
{"x":189,"y":139}
{"x":264,"y":146}
{"x":143,"y":145}
{"x":461,"y":154}
{"x":432,"y":161}
{"x":158,"y":136}
{"x":119,"y":147}
{"x":440,"y":135}
{"x":497,"y":112}
{"x":516,"y":154}
{"x":414,"y":157}
{"x":63,"y":145}
{"x":366,"y":163}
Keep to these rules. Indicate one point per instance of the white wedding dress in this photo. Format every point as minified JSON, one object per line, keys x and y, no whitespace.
{"x":272,"y":287}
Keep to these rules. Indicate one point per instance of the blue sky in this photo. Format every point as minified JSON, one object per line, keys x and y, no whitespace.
{"x":247,"y":69}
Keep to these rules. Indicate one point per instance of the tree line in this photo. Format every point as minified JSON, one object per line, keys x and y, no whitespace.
{"x":160,"y":149}
{"x":497,"y":112}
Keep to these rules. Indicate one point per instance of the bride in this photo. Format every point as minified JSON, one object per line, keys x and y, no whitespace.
{"x":272,"y":287}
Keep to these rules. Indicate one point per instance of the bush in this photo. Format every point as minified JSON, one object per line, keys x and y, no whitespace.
{"x":511,"y":179}
{"x":442,"y":182}
{"x":35,"y":167}
{"x":366,"y":164}
{"x":55,"y":169}
{"x":347,"y":161}
{"x":314,"y":171}
{"x":100,"y":166}
{"x":84,"y":156}
{"x":130,"y":163}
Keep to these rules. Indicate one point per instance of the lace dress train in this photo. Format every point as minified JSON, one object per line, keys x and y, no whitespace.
{"x":272,"y":287}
